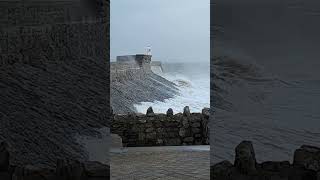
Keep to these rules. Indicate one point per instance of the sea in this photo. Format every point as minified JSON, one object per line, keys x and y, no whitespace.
{"x":273,"y":104}
{"x":193,"y":81}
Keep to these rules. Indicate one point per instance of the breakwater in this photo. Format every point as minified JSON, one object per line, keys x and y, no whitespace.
{"x":132,"y":82}
{"x":168,"y":129}
{"x":305,"y":166}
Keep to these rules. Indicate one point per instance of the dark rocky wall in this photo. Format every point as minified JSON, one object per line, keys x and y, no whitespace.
{"x":162,"y":129}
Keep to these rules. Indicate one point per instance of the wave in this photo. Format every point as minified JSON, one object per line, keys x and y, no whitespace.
{"x":194,"y":89}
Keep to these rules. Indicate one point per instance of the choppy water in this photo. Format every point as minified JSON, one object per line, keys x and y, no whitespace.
{"x":277,"y":113}
{"x":193,"y":82}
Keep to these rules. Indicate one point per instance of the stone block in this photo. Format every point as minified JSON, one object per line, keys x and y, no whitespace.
{"x":195,"y":130}
{"x":308,"y":157}
{"x":275,"y":166}
{"x":150,"y":112}
{"x":245,"y":160}
{"x":185,"y":123}
{"x":173,"y":142}
{"x":206,"y":113}
{"x":196,"y":125}
{"x":182,"y":132}
{"x":186,"y":111}
{"x":188,"y":139}
{"x":151,"y":135}
{"x":149,"y":130}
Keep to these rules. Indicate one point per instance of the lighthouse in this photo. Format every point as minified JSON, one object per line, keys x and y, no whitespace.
{"x":148,"y":50}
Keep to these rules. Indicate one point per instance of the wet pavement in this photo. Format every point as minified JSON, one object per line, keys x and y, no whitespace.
{"x":169,"y":162}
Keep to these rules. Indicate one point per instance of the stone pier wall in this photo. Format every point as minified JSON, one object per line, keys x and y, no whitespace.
{"x":162,"y":129}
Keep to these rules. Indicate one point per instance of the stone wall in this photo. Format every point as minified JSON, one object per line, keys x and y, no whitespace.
{"x":169,"y":129}
{"x":305,"y":166}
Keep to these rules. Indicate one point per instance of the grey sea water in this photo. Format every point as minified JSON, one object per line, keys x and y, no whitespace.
{"x":278,"y":114}
{"x":265,"y":77}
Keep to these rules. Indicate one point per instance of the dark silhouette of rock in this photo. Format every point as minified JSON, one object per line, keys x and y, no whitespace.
{"x":186,"y":111}
{"x":4,"y":157}
{"x":308,"y":157}
{"x":245,"y":167}
{"x":206,"y":112}
{"x":170,"y":112}
{"x":150,"y":112}
{"x":245,"y":159}
{"x":221,"y":170}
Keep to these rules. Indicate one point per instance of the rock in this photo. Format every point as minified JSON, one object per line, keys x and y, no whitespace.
{"x":151,"y":135}
{"x":172,"y":142}
{"x":221,"y":171}
{"x":96,"y":169}
{"x":188,"y":139}
{"x":159,"y":141}
{"x":182,"y":132}
{"x":308,"y":157}
{"x":195,"y":130}
{"x":186,"y":111}
{"x":185,"y":123}
{"x":170,"y":112}
{"x":206,"y":112}
{"x":195,"y":125}
{"x":4,"y":157}
{"x":150,"y":112}
{"x":149,"y":130}
{"x":275,"y":166}
{"x":245,"y":160}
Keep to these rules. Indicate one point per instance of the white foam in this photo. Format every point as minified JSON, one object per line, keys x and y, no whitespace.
{"x":193,"y":93}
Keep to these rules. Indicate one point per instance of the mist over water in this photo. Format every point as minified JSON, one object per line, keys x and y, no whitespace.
{"x":193,"y":82}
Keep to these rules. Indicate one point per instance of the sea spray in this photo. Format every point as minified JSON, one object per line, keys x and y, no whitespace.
{"x":193,"y":82}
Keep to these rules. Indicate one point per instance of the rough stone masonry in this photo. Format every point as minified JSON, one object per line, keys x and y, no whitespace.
{"x":168,"y":129}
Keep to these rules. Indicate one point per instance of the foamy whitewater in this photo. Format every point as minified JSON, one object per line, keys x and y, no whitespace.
{"x":193,"y":82}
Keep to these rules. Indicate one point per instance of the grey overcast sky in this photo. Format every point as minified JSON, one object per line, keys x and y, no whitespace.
{"x":177,"y":30}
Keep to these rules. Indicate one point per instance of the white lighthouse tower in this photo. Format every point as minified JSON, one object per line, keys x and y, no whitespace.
{"x":148,"y":50}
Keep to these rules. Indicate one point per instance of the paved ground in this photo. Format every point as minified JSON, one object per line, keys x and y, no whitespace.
{"x":167,"y":163}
